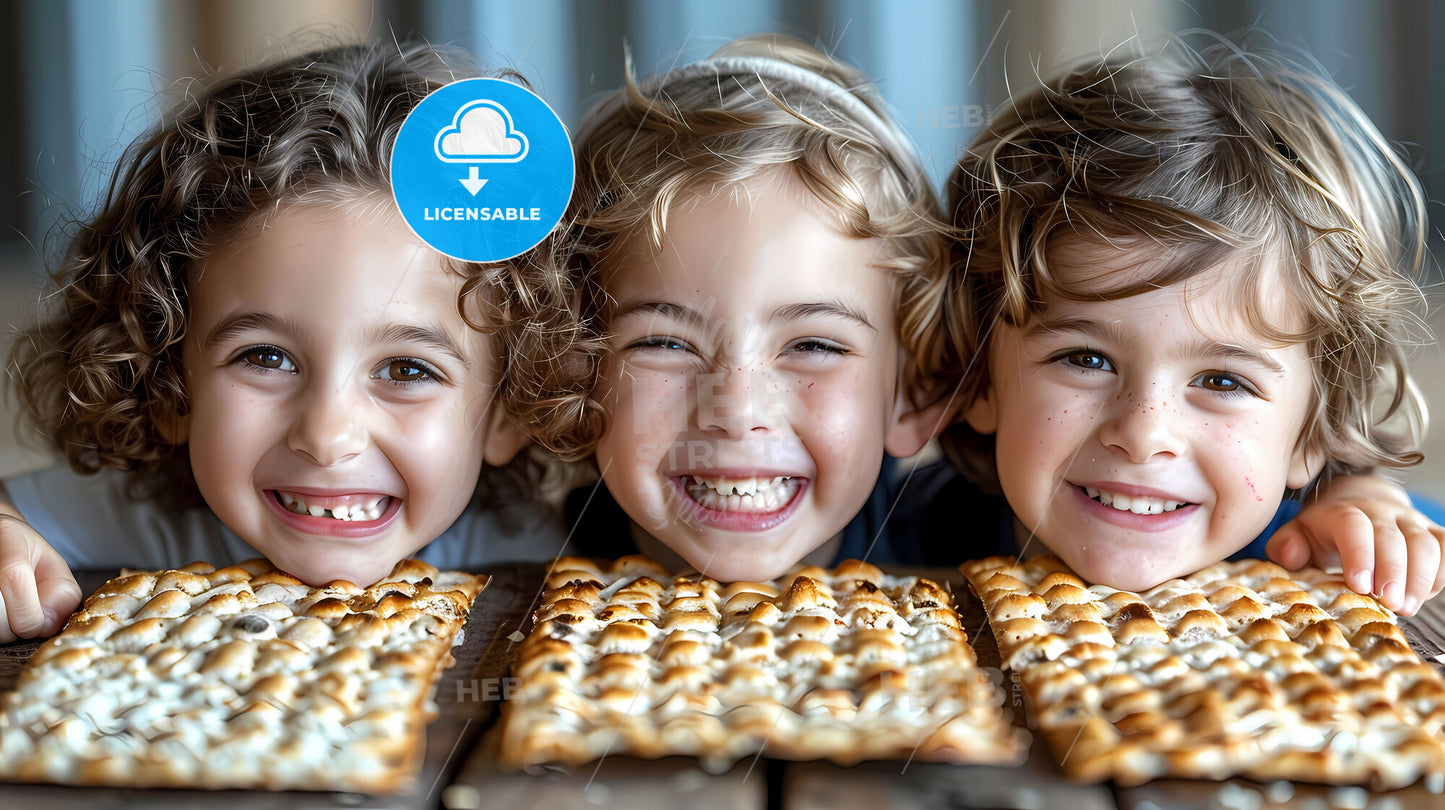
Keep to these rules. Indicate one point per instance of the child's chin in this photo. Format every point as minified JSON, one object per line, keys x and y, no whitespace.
{"x":741,"y":567}
{"x":1123,"y":571}
{"x":318,"y":572}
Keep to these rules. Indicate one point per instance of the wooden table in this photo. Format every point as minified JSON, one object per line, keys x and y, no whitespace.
{"x":460,"y":772}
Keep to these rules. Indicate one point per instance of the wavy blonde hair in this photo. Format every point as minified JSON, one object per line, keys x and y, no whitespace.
{"x":102,"y":377}
{"x":757,"y":105}
{"x":1200,"y":156}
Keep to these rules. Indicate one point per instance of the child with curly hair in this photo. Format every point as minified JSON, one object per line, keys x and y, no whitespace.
{"x":280,"y":367}
{"x":1184,"y":287}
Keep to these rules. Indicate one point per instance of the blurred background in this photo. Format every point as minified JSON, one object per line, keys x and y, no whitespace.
{"x":85,"y":77}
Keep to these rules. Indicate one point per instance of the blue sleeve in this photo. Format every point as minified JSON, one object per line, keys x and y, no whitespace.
{"x":1431,"y":508}
{"x":1255,"y":550}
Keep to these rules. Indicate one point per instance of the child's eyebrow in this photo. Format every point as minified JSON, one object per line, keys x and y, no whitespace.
{"x":666,"y":309}
{"x":787,"y":312}
{"x":835,"y":309}
{"x":239,"y":322}
{"x":428,"y":335}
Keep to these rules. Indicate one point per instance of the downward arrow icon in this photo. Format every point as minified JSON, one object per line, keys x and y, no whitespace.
{"x":473,"y":181}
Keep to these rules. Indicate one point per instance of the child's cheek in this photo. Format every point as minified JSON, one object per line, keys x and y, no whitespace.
{"x":647,"y":403}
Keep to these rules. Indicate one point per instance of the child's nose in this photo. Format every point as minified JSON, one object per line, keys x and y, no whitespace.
{"x":327,"y":430}
{"x":1142,"y":426}
{"x":735,"y":401}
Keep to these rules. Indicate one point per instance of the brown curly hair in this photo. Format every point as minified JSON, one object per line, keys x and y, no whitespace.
{"x":102,"y":378}
{"x":1201,"y":155}
{"x":757,"y":104}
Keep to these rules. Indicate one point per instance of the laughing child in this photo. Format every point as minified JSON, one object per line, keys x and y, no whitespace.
{"x":757,"y":253}
{"x":249,"y":330}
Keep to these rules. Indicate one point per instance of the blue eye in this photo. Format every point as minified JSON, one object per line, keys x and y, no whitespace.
{"x":661,"y":342}
{"x":267,"y":358}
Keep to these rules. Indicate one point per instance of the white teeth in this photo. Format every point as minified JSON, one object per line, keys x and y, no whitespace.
{"x":1137,"y":504}
{"x":358,"y":511}
{"x":743,"y":494}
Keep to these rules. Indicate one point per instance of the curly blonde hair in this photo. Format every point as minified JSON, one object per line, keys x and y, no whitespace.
{"x":1200,"y":156}
{"x":102,"y":378}
{"x":757,"y":105}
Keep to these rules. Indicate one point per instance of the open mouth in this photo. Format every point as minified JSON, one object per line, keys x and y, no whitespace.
{"x":349,"y":509}
{"x":749,"y":495}
{"x":1137,"y":504}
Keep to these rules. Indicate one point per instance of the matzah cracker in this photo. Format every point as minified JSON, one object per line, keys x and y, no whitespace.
{"x":1243,"y":669}
{"x":242,"y":677}
{"x":846,"y":665}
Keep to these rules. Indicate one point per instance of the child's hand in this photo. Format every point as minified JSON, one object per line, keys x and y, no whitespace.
{"x":37,"y":591}
{"x":1367,"y":526}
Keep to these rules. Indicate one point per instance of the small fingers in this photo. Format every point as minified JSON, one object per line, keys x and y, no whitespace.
{"x":1437,"y":536}
{"x":1288,"y":547}
{"x":1392,"y":566}
{"x":24,"y":618}
{"x":59,"y":592}
{"x":1355,"y":543}
{"x":1424,"y":555}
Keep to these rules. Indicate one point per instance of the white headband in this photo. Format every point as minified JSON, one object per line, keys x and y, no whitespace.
{"x":850,"y":102}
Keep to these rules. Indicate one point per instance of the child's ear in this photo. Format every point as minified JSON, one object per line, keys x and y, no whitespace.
{"x":911,"y":427}
{"x":1305,"y":465}
{"x":174,"y":427}
{"x":982,"y":415}
{"x":504,"y":439}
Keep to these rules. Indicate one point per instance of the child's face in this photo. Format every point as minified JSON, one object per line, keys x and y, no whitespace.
{"x":1145,"y":438}
{"x":339,"y":402}
{"x":755,"y":355}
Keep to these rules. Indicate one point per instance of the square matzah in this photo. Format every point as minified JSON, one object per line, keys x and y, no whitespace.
{"x":846,"y":665}
{"x":1242,"y":669}
{"x":242,"y":677}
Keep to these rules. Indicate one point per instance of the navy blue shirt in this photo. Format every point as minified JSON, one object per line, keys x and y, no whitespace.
{"x":932,"y":516}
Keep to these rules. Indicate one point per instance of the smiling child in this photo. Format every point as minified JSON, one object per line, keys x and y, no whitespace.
{"x":249,"y":330}
{"x":758,"y":256}
{"x":1185,"y":290}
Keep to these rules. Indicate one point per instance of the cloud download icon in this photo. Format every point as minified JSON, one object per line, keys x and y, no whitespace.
{"x":512,"y":143}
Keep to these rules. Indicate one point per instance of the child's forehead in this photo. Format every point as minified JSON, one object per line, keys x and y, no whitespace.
{"x":1233,"y":291}
{"x":727,"y":208}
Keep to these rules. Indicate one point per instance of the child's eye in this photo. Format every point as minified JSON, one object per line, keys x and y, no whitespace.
{"x":269,"y":358}
{"x":815,"y":345}
{"x":1085,"y":360}
{"x":661,"y":343}
{"x":406,"y":371}
{"x":1224,"y":383}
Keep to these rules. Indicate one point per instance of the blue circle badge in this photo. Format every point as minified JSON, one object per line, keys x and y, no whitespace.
{"x":482,"y":170}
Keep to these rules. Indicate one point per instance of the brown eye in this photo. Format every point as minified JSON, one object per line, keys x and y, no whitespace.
{"x":403,"y":370}
{"x":1219,"y":382}
{"x":268,"y":357}
{"x":1222,"y":382}
{"x":1089,"y":360}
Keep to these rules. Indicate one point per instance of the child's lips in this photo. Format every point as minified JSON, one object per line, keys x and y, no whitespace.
{"x":746,"y":504}
{"x":347,"y":515}
{"x":353,"y":507}
{"x":1138,"y":511}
